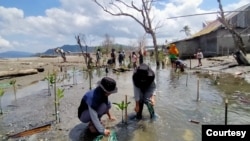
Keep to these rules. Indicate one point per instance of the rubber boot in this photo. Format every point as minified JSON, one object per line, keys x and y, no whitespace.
{"x":139,"y":114}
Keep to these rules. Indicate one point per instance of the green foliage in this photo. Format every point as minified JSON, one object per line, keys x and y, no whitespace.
{"x":59,"y":93}
{"x":1,"y":92}
{"x":12,"y":82}
{"x":122,"y":105}
{"x":51,"y":78}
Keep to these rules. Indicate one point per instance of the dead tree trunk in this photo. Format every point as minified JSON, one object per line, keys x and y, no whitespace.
{"x":240,"y":54}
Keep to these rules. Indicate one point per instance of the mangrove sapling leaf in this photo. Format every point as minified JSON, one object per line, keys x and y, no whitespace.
{"x":51,"y":80}
{"x":1,"y":95}
{"x":121,"y":106}
{"x":13,"y":83}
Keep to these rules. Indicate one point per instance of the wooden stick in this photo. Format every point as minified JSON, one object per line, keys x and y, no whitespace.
{"x":198,"y":95}
{"x":226,"y":103}
{"x":126,"y":109}
{"x":186,"y":79}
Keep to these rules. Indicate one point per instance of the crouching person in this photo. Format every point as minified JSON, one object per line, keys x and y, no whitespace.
{"x":95,"y":104}
{"x":180,"y":64}
{"x":144,"y":90}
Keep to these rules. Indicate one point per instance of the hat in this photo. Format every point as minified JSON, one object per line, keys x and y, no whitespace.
{"x":108,"y":85}
{"x":143,"y":76}
{"x":144,"y":69}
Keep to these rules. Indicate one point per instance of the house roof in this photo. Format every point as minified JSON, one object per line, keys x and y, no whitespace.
{"x":214,"y":25}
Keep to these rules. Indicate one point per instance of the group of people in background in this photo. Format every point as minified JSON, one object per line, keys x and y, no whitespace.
{"x":135,"y":58}
{"x":176,"y":62}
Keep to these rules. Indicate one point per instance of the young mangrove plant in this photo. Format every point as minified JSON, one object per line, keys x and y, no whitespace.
{"x":74,"y":77}
{"x":54,"y":77}
{"x":121,"y":106}
{"x":13,"y":83}
{"x":60,"y":95}
{"x":1,"y":95}
{"x":51,"y":80}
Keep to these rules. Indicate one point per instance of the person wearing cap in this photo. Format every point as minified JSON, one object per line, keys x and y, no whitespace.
{"x":95,"y":104}
{"x":144,"y":88}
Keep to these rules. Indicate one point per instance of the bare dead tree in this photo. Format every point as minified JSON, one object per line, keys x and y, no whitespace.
{"x":107,"y":43}
{"x":142,"y":43}
{"x":62,"y":53}
{"x":81,"y":38}
{"x":78,"y":39}
{"x":238,"y":41}
{"x":114,"y":7}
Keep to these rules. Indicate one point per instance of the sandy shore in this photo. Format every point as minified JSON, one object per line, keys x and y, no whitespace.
{"x":221,"y":64}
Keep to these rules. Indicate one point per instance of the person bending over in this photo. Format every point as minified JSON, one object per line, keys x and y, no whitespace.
{"x":95,"y":104}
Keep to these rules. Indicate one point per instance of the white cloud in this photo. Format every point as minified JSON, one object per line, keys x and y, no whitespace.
{"x":60,"y":24}
{"x":4,"y":44}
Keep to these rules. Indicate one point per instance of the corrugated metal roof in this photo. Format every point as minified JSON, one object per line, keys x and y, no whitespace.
{"x":214,"y":25}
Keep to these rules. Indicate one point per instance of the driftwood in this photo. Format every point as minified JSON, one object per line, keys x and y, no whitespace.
{"x":18,"y":72}
{"x":31,"y":131}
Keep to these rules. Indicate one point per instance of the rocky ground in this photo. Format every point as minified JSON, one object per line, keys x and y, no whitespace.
{"x":22,"y":117}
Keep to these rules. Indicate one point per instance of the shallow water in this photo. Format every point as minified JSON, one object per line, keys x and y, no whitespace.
{"x":176,"y":105}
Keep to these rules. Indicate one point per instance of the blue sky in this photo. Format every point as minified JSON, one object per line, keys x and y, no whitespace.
{"x":37,"y":25}
{"x":31,"y":7}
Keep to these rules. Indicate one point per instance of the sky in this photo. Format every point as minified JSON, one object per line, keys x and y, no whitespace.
{"x":37,"y":25}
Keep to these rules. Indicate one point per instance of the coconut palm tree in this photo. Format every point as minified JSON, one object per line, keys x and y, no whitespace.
{"x":186,"y":30}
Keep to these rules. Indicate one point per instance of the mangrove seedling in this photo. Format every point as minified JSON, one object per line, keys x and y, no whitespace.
{"x":74,"y":77}
{"x":51,"y":80}
{"x":60,"y":95}
{"x":13,"y":83}
{"x":121,"y":106}
{"x":1,"y":95}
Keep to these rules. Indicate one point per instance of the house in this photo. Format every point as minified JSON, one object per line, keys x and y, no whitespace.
{"x":214,"y":39}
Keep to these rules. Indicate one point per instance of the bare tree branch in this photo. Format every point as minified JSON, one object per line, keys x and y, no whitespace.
{"x":144,"y":10}
{"x":236,"y":36}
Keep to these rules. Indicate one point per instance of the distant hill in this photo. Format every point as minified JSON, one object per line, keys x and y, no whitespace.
{"x":76,"y":48}
{"x":69,"y":48}
{"x":66,"y":48}
{"x":15,"y":54}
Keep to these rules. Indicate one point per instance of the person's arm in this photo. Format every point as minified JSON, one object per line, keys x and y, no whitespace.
{"x":95,"y":120}
{"x":112,"y":118}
